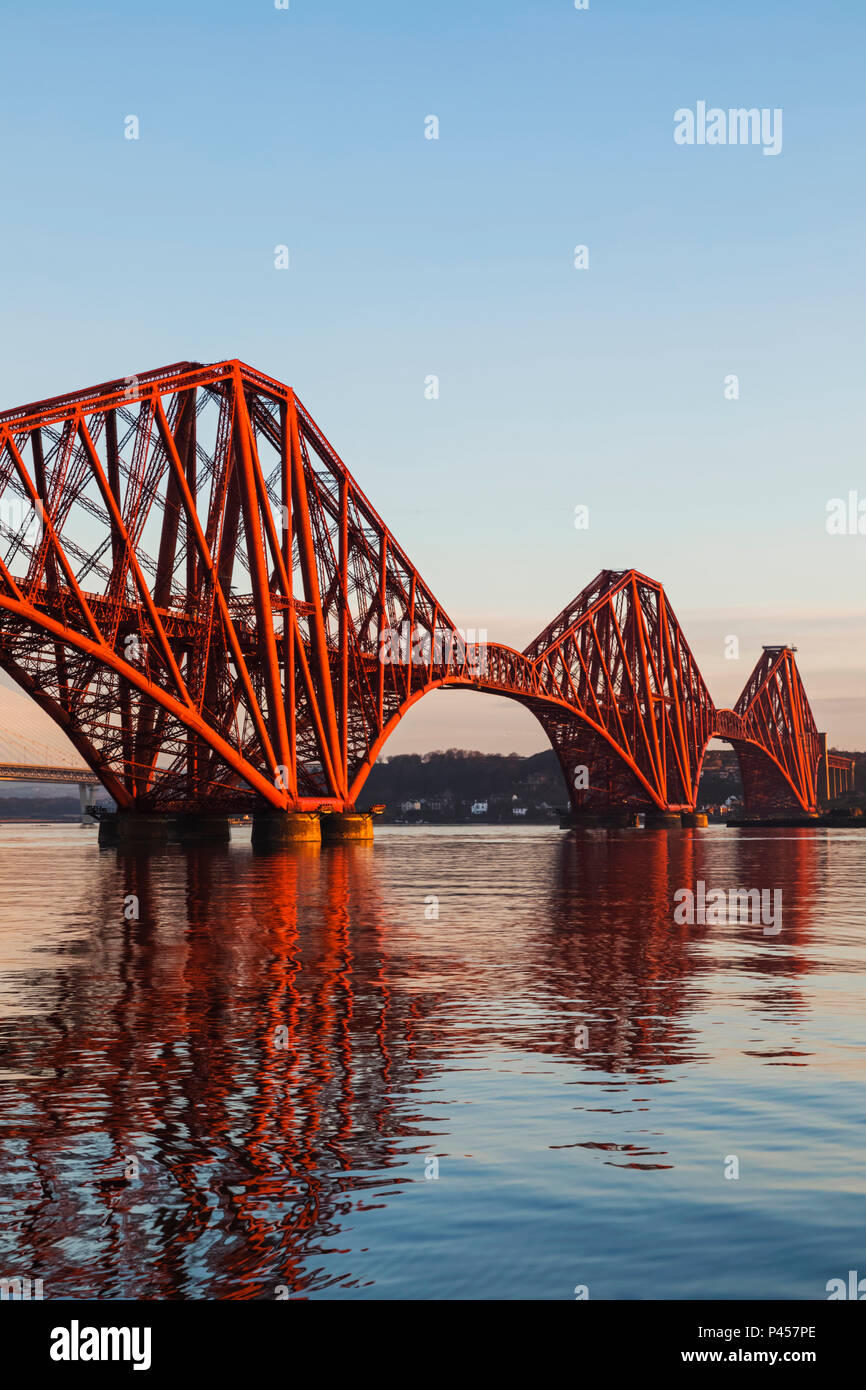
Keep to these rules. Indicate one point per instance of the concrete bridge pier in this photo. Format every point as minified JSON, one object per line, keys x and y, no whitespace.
{"x":662,"y":820}
{"x":108,"y":829}
{"x":274,"y":828}
{"x":338,"y":826}
{"x":203,"y":830}
{"x":128,"y":828}
{"x":694,"y":820}
{"x":153,"y":830}
{"x":85,"y":799}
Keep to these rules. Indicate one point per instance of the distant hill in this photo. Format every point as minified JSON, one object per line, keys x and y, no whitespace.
{"x":31,"y":807}
{"x":446,"y":784}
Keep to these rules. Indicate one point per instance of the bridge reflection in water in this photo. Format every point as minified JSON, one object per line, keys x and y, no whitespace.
{"x":279,"y":1042}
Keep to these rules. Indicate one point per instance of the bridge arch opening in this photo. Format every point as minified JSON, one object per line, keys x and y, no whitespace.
{"x":766,"y":789}
{"x":446,"y":722}
{"x":475,"y":720}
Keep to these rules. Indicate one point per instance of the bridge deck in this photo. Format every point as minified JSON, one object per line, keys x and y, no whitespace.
{"x":24,"y":772}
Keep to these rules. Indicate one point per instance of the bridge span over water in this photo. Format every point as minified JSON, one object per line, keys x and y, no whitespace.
{"x":195,"y":588}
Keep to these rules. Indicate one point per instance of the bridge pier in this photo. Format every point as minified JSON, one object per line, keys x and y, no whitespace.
{"x":600,"y":820}
{"x":132,"y":828}
{"x":694,"y":819}
{"x":662,"y":820}
{"x":85,"y":799}
{"x":108,"y":829}
{"x":346,"y":825}
{"x":274,"y":828}
{"x":203,"y":830}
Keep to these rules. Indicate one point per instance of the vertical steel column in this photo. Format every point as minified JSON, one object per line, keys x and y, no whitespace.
{"x":344,"y":624}
{"x":309,"y":571}
{"x":259,"y":576}
{"x":287,"y":522}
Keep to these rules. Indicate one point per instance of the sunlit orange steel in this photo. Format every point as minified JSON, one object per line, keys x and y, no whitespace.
{"x":196,"y":589}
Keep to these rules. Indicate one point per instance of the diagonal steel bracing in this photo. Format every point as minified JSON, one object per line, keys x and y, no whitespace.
{"x":195,"y":588}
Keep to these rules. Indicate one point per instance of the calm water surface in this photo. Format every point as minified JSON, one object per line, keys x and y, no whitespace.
{"x":282,"y":1045}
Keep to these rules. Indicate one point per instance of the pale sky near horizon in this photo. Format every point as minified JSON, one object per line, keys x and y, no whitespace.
{"x":454,"y":257}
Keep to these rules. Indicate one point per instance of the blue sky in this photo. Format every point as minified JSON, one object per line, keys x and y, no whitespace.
{"x":411,"y":257}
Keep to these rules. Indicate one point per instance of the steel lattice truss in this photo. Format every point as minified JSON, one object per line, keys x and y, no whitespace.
{"x":195,"y":588}
{"x":778,"y":720}
{"x":617,"y":657}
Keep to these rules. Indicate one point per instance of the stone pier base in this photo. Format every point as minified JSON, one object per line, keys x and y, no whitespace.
{"x":108,"y":829}
{"x":694,"y":819}
{"x":203,"y":830}
{"x":274,"y":828}
{"x":346,"y":825}
{"x":131,"y":828}
{"x":662,"y":820}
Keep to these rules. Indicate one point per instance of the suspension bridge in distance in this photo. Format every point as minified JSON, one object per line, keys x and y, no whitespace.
{"x":25,"y":757}
{"x":196,"y":590}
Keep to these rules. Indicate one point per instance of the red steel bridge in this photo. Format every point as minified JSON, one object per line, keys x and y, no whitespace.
{"x":198,"y":592}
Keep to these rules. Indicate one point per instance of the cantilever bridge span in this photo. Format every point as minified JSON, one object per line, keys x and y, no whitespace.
{"x":195,"y":588}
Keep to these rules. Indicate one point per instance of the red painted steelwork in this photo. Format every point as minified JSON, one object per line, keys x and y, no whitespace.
{"x":195,"y":588}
